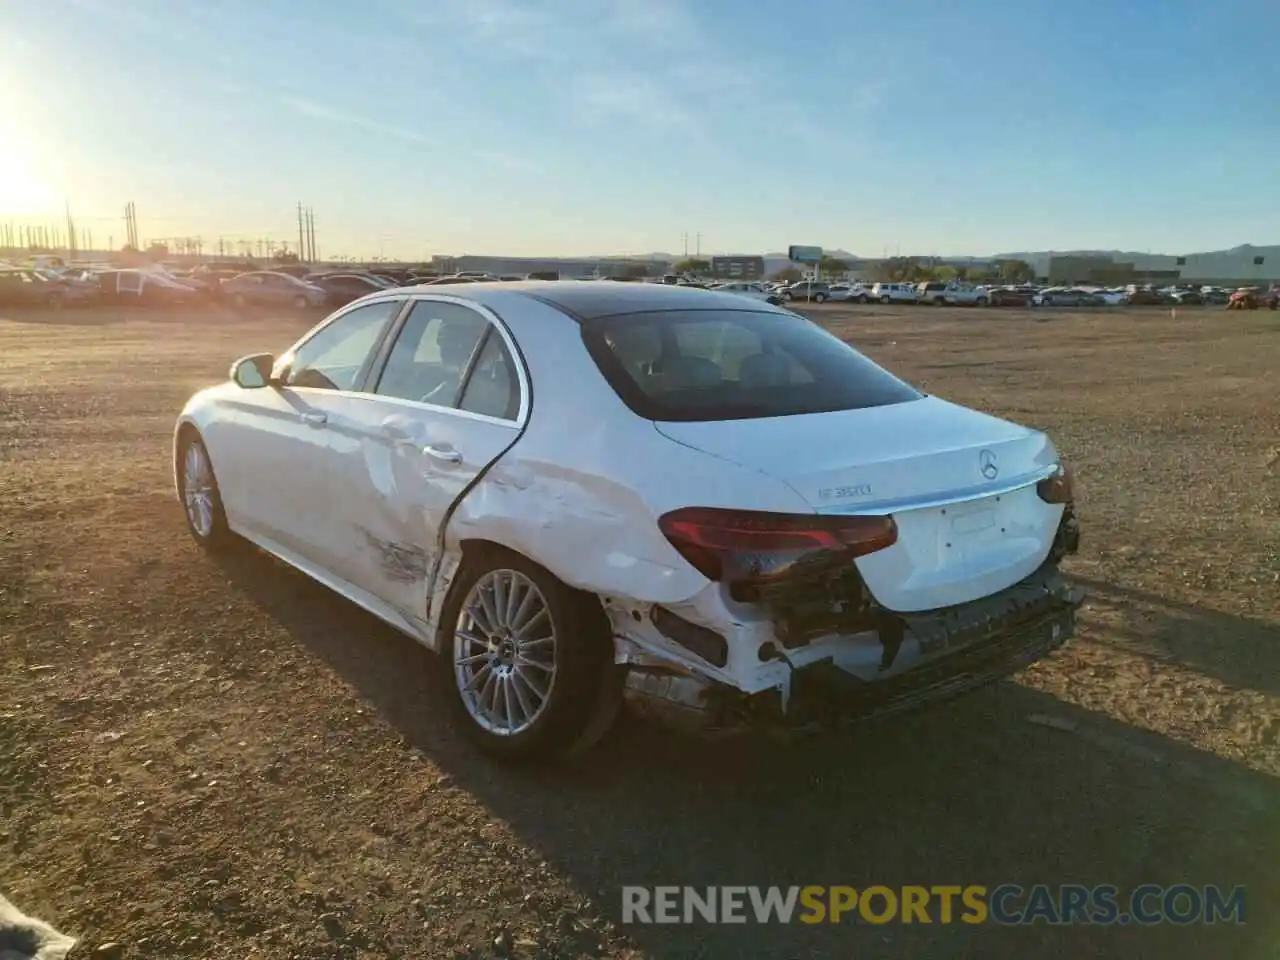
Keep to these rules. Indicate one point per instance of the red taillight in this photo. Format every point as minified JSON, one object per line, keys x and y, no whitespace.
{"x":1057,"y":488}
{"x":750,"y":546}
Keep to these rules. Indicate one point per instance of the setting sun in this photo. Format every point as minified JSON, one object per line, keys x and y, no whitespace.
{"x":22,"y":191}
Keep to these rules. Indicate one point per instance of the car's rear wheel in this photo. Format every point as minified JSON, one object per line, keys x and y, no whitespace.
{"x":939,"y":301}
{"x":819,"y":298}
{"x":531,"y":666}
{"x":201,"y":498}
{"x":885,"y":300}
{"x":982,"y":301}
{"x":239,"y":301}
{"x":301,"y":302}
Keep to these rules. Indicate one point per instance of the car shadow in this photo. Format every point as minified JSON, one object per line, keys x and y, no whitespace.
{"x":1005,"y":786}
{"x":1240,"y":651}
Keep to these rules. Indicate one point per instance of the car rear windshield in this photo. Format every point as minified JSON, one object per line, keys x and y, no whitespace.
{"x":700,"y":365}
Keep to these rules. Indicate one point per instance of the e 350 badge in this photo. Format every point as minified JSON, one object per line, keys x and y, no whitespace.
{"x":844,"y":493}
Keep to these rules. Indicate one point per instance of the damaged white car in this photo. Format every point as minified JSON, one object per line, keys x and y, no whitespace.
{"x":578,"y":493}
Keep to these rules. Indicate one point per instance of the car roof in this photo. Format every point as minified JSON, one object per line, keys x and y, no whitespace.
{"x":595,"y":299}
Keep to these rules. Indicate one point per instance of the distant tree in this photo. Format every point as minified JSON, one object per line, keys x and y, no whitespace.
{"x":788,"y":275}
{"x":158,"y":250}
{"x":1015,"y":271}
{"x":693,"y":265}
{"x":636,"y":271}
{"x":286,"y":257}
{"x":902,"y":270}
{"x":832,"y":267}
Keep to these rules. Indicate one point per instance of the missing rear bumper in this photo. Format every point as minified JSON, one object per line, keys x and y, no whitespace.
{"x":960,"y":649}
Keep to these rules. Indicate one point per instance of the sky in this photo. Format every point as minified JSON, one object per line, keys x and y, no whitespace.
{"x":572,"y":127}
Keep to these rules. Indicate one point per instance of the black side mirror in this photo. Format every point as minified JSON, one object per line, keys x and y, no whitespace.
{"x":253,"y":372}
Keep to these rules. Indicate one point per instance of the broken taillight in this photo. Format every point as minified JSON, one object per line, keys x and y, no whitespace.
{"x":1057,"y":488}
{"x":743,"y":547}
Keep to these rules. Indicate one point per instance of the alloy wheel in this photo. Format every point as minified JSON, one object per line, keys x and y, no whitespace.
{"x":197,"y":489}
{"x":504,"y":648}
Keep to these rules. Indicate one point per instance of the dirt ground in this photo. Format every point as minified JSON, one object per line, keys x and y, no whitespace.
{"x":204,"y":760}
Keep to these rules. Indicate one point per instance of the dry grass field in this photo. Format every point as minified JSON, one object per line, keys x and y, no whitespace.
{"x":226,"y":761}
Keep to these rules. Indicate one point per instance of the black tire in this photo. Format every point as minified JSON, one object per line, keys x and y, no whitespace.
{"x":982,"y":302}
{"x":239,"y":301}
{"x":301,"y":302}
{"x":787,"y":295}
{"x":886,"y":300}
{"x":219,"y":535}
{"x":585,"y":694}
{"x":939,"y":301}
{"x":819,"y":298}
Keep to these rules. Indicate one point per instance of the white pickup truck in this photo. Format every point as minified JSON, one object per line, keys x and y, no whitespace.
{"x":953,"y":294}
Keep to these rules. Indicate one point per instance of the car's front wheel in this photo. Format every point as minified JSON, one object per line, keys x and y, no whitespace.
{"x":301,"y":302}
{"x":531,"y":660}
{"x":240,"y":302}
{"x":819,"y":298}
{"x":201,"y":498}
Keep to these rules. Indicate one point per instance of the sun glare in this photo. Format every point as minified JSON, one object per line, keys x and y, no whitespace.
{"x":22,"y":191}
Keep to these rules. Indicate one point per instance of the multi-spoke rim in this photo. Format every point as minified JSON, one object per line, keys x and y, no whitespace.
{"x":197,"y":488}
{"x":504,"y":652}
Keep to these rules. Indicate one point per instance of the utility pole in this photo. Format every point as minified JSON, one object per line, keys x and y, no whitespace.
{"x":71,"y":231}
{"x":698,"y":247}
{"x":300,"y":252}
{"x":312,"y":256}
{"x":684,"y":239}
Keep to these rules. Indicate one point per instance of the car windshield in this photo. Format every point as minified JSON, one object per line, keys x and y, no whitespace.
{"x":705,"y":365}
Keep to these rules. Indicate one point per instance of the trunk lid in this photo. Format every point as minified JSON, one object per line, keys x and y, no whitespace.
{"x":959,"y":483}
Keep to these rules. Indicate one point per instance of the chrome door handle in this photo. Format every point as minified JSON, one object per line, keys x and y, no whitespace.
{"x":444,"y":454}
{"x":315,"y":419}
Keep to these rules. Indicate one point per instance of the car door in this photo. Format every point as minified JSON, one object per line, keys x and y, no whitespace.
{"x":448,"y":400}
{"x":277,"y":483}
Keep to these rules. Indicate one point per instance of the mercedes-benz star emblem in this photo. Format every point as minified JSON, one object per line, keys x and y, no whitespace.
{"x":987,"y":464}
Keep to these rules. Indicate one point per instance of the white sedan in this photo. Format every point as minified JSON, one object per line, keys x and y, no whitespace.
{"x":584,"y":492}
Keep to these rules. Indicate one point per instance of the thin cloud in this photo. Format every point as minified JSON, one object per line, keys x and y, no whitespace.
{"x":320,"y":111}
{"x":622,"y":63}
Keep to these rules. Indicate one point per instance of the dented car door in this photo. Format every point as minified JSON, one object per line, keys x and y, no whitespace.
{"x":447,"y":402}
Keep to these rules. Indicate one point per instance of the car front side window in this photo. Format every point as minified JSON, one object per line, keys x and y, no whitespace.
{"x":335,"y":356}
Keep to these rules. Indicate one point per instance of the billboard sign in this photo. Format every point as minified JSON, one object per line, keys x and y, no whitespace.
{"x":804,"y":254}
{"x":737,"y":268}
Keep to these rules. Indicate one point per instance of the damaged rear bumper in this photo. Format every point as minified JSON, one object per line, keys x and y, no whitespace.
{"x":960,"y":648}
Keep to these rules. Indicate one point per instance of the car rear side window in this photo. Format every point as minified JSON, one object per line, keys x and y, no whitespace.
{"x":705,"y":365}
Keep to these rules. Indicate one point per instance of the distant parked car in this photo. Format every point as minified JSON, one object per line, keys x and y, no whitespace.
{"x":267,"y":288}
{"x":150,"y":287}
{"x":1251,"y":298}
{"x":1009,"y":297}
{"x":23,"y":287}
{"x":1066,"y":297}
{"x":1215,"y":295}
{"x":1147,"y":297}
{"x":952,"y":294}
{"x":344,"y":287}
{"x":1188,"y":298}
{"x":755,"y":291}
{"x":850,"y":292}
{"x":808,"y":290}
{"x":895,"y":293}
